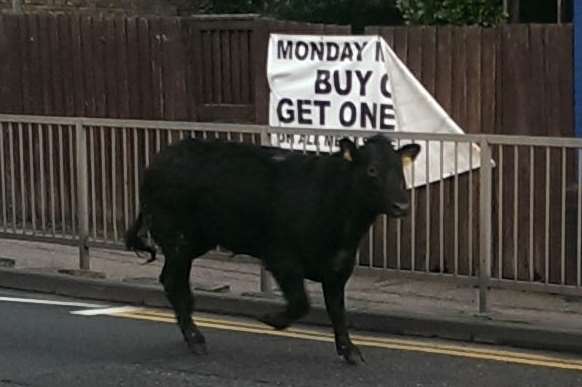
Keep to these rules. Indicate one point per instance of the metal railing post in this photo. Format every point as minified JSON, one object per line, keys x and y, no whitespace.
{"x":82,"y":195}
{"x":485,"y":215}
{"x":266,"y":282}
{"x":17,"y":6}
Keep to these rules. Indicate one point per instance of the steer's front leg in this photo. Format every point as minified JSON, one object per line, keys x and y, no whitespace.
{"x":292,"y":285}
{"x":334,"y":293}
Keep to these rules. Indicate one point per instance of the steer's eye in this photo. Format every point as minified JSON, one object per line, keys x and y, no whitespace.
{"x":372,"y":171}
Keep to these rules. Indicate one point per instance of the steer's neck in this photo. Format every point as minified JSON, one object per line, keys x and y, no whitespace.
{"x":358,"y":219}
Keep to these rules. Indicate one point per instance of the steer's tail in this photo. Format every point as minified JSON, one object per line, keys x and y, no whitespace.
{"x":136,"y":238}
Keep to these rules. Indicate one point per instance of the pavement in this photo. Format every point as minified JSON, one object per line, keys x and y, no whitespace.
{"x":425,"y":307}
{"x":54,"y":344}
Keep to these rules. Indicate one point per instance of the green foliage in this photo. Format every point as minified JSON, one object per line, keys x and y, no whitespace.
{"x":460,"y":12}
{"x":234,"y":6}
{"x":358,"y":13}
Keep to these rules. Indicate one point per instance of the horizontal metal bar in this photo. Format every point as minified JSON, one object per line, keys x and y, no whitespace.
{"x":537,"y":287}
{"x":64,"y":239}
{"x":450,"y":137}
{"x":554,"y":142}
{"x":493,"y":139}
{"x":173,"y":125}
{"x":141,"y":124}
{"x":48,"y":120}
{"x":380,"y":273}
{"x":213,"y":255}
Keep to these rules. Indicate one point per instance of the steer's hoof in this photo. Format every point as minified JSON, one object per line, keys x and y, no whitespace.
{"x":197,"y":344}
{"x":277,"y":321}
{"x":351,"y":354}
{"x":198,"y":348}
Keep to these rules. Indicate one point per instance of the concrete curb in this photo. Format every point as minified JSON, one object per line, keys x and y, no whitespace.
{"x":469,"y":328}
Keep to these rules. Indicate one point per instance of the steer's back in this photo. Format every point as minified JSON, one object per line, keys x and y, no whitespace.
{"x":211,"y":193}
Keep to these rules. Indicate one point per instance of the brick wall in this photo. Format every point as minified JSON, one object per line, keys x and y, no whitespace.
{"x":126,"y":7}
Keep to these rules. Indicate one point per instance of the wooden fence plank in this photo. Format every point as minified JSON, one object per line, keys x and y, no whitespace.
{"x":207,"y":68}
{"x":195,"y":69}
{"x":226,"y":66}
{"x":133,"y":68}
{"x":473,"y":76}
{"x":559,"y":92}
{"x":111,"y":60}
{"x":5,"y":68}
{"x":537,"y":51}
{"x":156,"y":68}
{"x":88,"y":55}
{"x":563,"y":40}
{"x":14,"y":102}
{"x":217,"y":66}
{"x":169,"y":69}
{"x":57,"y":75}
{"x":459,"y":76}
{"x":388,"y":35}
{"x":537,"y":125}
{"x":259,"y":80}
{"x":415,"y":52}
{"x":99,"y":39}
{"x":36,"y":65}
{"x":121,"y":72}
{"x":237,"y":65}
{"x":400,"y":46}
{"x":145,"y":69}
{"x":489,"y":66}
{"x":24,"y":47}
{"x":444,"y":67}
{"x":65,"y":63}
{"x":178,"y":59}
{"x":78,"y":67}
{"x":247,"y":95}
{"x":429,"y":58}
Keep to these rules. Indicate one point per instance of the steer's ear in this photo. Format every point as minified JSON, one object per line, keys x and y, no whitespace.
{"x":348,"y":149}
{"x":408,"y":153}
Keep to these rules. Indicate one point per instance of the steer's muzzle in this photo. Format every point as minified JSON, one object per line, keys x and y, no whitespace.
{"x":399,"y":209}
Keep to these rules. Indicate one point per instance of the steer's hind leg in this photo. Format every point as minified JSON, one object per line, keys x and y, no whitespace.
{"x":175,"y":278}
{"x":292,"y":285}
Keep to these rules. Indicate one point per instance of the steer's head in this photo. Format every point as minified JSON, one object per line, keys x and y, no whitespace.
{"x":379,"y":174}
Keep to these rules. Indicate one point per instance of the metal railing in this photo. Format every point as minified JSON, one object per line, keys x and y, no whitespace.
{"x":515,"y":222}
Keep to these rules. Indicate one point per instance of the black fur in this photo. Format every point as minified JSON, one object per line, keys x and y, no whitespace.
{"x":302,"y":215}
{"x":136,"y":240}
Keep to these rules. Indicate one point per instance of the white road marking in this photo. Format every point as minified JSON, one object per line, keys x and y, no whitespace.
{"x":110,"y":311}
{"x":50,"y":302}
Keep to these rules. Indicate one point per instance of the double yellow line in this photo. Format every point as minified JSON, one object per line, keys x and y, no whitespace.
{"x":473,"y":351}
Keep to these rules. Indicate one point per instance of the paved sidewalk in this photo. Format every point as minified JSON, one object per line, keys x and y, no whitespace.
{"x":426,"y":307}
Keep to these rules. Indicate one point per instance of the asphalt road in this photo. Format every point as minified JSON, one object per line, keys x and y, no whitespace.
{"x":46,"y":345}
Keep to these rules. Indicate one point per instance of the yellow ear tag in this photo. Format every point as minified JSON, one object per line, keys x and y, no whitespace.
{"x":347,"y":155}
{"x":407,"y":161}
{"x":407,"y":169}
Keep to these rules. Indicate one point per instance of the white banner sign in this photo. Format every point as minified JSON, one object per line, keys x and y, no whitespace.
{"x":329,"y":82}
{"x":356,"y":82}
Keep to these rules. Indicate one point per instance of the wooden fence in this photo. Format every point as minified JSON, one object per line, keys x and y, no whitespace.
{"x":198,"y":68}
{"x":515,"y":79}
{"x":508,"y":80}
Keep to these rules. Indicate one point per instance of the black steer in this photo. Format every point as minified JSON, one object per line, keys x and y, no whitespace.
{"x":302,"y":215}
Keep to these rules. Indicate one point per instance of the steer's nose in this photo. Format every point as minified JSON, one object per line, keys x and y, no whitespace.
{"x":400,"y":208}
